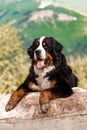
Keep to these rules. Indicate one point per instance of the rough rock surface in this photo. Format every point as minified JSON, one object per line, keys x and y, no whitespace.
{"x":64,"y":113}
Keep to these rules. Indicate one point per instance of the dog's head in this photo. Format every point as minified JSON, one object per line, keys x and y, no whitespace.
{"x":44,"y":50}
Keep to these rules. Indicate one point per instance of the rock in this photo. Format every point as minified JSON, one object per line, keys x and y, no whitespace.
{"x":41,"y":16}
{"x":70,"y":112}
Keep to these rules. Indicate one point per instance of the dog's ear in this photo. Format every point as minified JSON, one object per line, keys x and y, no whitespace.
{"x":30,"y":51}
{"x":56,"y":45}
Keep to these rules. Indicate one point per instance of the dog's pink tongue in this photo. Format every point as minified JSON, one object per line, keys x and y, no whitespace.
{"x":40,"y":64}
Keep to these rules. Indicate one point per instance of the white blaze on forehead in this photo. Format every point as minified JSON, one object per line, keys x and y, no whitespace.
{"x":41,"y":39}
{"x":40,"y":47}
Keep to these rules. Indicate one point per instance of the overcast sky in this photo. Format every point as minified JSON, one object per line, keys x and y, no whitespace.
{"x":77,"y":4}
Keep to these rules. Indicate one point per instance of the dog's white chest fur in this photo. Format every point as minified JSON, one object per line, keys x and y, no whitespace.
{"x":43,"y":82}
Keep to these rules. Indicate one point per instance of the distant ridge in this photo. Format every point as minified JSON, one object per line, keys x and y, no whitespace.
{"x":66,"y":25}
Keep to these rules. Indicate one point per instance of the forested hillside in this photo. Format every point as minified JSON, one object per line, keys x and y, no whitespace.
{"x":68,"y":27}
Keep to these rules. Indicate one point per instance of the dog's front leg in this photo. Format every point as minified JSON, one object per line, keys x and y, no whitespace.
{"x":44,"y":100}
{"x":16,"y":97}
{"x":57,"y":91}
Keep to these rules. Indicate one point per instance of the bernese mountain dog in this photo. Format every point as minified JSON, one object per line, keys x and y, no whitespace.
{"x":49,"y":74}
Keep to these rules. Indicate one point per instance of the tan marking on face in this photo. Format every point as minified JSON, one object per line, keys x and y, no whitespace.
{"x":50,"y":58}
{"x":37,"y":43}
{"x":44,"y":43}
{"x":34,"y":61}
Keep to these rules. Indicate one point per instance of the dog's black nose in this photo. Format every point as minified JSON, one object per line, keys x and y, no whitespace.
{"x":38,"y":52}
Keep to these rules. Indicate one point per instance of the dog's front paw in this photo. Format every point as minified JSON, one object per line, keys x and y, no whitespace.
{"x":44,"y":106}
{"x":10,"y":105}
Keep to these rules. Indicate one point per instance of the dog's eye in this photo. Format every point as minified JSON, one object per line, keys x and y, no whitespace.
{"x":44,"y":44}
{"x":37,"y":43}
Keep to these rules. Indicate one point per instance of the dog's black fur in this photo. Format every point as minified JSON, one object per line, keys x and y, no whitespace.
{"x":65,"y":79}
{"x":62,"y":74}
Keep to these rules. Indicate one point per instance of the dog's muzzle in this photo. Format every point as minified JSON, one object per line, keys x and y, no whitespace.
{"x":38,"y":54}
{"x":41,"y":59}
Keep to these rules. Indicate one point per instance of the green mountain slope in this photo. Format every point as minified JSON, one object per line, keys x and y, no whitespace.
{"x":33,"y":22}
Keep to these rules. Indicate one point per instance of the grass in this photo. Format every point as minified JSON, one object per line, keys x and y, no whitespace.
{"x":79,"y":66}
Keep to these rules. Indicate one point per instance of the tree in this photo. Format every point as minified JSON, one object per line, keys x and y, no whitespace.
{"x":13,"y":61}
